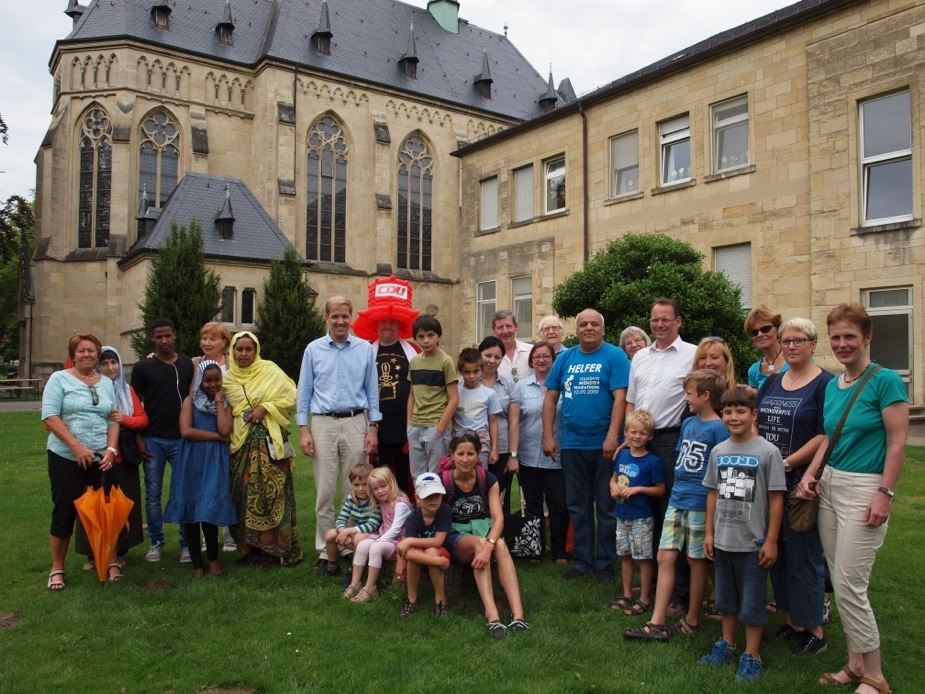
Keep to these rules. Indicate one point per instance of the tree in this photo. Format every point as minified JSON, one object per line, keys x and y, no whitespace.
{"x":624,"y":280}
{"x":17,"y":235}
{"x":4,"y":132}
{"x":287,"y":318}
{"x":179,"y":287}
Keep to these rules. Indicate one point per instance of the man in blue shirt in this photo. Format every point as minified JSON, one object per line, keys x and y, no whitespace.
{"x":592,"y":379}
{"x":337,"y":410}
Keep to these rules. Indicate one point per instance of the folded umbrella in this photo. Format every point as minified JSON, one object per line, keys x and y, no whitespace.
{"x":103,"y":516}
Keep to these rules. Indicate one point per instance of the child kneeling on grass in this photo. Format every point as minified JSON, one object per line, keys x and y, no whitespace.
{"x":359,"y":516}
{"x":745,"y":506}
{"x":637,"y":477}
{"x":379,"y":546}
{"x":425,"y":532}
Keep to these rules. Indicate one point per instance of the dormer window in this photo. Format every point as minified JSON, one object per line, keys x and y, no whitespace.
{"x":322,"y":43}
{"x":161,"y":16}
{"x":321,"y":37}
{"x":225,"y":34}
{"x":224,"y":220}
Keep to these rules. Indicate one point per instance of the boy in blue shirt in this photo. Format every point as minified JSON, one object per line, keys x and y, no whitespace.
{"x":637,"y":477}
{"x":745,"y":506}
{"x":685,"y":517}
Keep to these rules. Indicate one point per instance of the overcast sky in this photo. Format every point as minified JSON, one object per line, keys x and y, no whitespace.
{"x":590,"y":41}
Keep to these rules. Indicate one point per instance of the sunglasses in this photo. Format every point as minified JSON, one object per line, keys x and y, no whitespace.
{"x":94,"y":395}
{"x":764,"y":329}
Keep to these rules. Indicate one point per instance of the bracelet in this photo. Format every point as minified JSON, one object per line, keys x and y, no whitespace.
{"x":114,"y":451}
{"x":889,"y":492}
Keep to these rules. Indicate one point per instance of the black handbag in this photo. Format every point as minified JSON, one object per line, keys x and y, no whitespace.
{"x":128,"y":447}
{"x":522,"y":533}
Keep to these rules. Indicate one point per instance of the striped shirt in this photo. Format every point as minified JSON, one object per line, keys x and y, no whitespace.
{"x":362,"y":515}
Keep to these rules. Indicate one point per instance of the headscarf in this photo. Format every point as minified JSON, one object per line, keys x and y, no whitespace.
{"x":200,"y":399}
{"x":123,"y":392}
{"x":262,"y":383}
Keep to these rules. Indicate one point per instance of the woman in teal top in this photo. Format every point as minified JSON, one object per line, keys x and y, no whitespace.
{"x":76,"y":404}
{"x":856,"y":487}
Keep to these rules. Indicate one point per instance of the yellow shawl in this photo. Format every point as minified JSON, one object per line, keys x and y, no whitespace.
{"x":261,"y":383}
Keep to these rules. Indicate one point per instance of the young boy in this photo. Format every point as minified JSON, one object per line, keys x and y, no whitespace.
{"x":637,"y":476}
{"x":478,"y":407}
{"x":425,"y":532}
{"x":745,"y":506}
{"x":433,"y":399}
{"x":358,"y":518}
{"x":683,"y":529}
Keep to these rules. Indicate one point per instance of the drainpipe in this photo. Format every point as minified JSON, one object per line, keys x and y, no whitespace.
{"x":584,"y":186}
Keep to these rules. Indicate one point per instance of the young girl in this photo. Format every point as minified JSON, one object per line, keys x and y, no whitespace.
{"x":478,"y":407}
{"x":379,"y":546}
{"x":200,"y":485}
{"x":477,"y":526}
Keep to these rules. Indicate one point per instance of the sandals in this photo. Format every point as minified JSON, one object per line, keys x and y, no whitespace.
{"x":827,"y":678}
{"x":113,"y":578}
{"x":351,"y":591}
{"x":365,"y":595}
{"x":53,"y":584}
{"x":441,"y":609}
{"x":647,"y":632}
{"x":621,"y":603}
{"x":407,"y":609}
{"x":684,"y":628}
{"x":637,"y":609}
{"x":881,"y":687}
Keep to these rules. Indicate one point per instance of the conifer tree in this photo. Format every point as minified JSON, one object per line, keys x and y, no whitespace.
{"x":287,"y":317}
{"x":181,"y":288}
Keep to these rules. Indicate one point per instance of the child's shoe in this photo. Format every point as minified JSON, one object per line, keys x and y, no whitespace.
{"x":518,"y":626}
{"x":407,"y":609}
{"x":749,"y":668}
{"x":497,"y":630}
{"x":441,"y":609}
{"x":331,"y":570}
{"x":721,"y":654}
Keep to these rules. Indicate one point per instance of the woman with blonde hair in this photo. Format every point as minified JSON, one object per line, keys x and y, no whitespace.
{"x":713,"y":353}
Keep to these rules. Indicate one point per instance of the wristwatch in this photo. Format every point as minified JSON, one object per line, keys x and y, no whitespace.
{"x":513,"y":454}
{"x":490,"y":540}
{"x":787,"y":467}
{"x":115,"y":452}
{"x":889,"y":492}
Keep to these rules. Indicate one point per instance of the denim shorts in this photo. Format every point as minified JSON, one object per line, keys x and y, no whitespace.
{"x":741,"y":586}
{"x":684,"y":530}
{"x":634,"y":537}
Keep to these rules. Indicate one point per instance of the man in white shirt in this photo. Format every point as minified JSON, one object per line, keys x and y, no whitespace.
{"x":515,"y":364}
{"x":552,"y":330}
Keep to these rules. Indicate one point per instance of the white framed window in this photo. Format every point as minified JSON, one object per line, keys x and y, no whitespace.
{"x":522,"y":305}
{"x":248,"y":306}
{"x":736,"y":263}
{"x":624,"y":161}
{"x":486,"y":300}
{"x":730,"y":134}
{"x":554,"y":191}
{"x":886,"y":159}
{"x":890,"y":313}
{"x":489,"y":206}
{"x":675,"y":146}
{"x":523,"y":193}
{"x":229,"y":304}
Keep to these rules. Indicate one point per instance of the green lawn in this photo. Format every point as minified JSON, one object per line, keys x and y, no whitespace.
{"x":287,"y":630}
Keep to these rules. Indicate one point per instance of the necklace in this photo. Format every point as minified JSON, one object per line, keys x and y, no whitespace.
{"x":91,"y":377}
{"x":771,"y":363}
{"x":852,"y":380}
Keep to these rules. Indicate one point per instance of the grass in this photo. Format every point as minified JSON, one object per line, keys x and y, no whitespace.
{"x":287,"y":630}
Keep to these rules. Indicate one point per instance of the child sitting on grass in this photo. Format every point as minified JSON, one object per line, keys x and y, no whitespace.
{"x":637,"y":477}
{"x":358,"y":517}
{"x":425,"y":532}
{"x":745,"y":506}
{"x":379,"y":546}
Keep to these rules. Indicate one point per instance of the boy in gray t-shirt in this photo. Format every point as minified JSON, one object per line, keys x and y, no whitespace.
{"x":745,"y":507}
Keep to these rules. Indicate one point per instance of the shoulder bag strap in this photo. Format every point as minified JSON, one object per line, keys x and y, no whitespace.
{"x":835,"y":434}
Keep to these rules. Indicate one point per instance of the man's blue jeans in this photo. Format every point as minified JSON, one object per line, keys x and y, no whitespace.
{"x":587,"y":484}
{"x":161,"y":451}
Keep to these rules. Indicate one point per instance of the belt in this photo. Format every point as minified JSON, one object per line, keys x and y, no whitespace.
{"x":342,"y":415}
{"x":668,"y":430}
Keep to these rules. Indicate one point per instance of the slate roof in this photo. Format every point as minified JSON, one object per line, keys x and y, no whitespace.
{"x":202,"y":197}
{"x":368,"y":38}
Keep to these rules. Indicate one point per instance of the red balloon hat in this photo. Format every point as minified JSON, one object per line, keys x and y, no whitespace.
{"x":388,"y":298}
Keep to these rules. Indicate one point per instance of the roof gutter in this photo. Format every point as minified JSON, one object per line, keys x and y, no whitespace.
{"x":585,"y":204}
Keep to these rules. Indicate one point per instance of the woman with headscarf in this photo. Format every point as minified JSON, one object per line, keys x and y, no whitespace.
{"x":132,"y":418}
{"x":262,"y":398}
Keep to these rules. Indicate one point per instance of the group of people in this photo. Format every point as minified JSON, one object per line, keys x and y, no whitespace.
{"x":649,"y":450}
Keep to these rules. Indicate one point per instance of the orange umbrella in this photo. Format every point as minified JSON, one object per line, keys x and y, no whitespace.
{"x":103,"y":517}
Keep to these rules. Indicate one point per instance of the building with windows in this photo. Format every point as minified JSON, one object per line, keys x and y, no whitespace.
{"x":787,"y":150}
{"x":324,"y":125}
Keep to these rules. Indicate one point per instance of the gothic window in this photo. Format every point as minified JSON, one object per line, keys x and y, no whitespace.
{"x":95,"y":179}
{"x":159,"y":158}
{"x":415,"y":203}
{"x":326,"y":206}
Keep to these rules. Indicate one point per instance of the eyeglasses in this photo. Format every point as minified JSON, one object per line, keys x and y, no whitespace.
{"x":94,"y":395}
{"x":764,"y":329}
{"x":542,"y":357}
{"x":551,"y":329}
{"x":662,"y":321}
{"x":796,"y":342}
